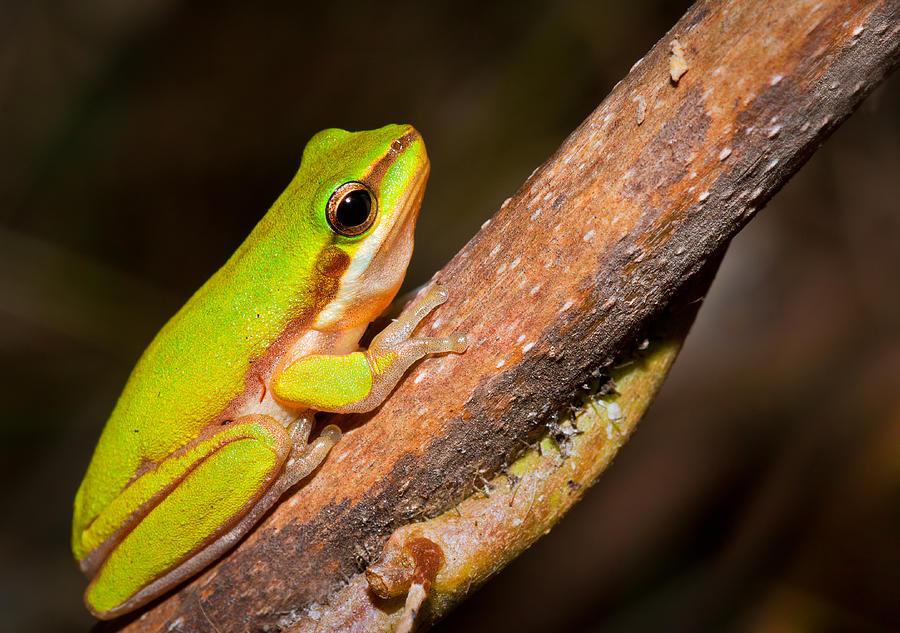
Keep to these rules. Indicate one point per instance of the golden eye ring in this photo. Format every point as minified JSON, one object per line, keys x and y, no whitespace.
{"x":351,"y":209}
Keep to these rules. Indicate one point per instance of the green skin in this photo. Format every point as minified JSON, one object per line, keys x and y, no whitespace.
{"x":213,"y":423}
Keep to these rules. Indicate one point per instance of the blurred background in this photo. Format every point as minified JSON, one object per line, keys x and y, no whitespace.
{"x":140,"y":142}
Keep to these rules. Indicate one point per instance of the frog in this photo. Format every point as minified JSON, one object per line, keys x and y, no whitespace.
{"x":215,"y":422}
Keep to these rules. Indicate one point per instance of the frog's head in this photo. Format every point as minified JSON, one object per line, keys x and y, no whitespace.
{"x":362,"y":192}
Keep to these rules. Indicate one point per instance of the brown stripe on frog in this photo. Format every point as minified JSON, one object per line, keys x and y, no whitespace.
{"x":330,"y":266}
{"x":377,"y":170}
{"x":332,"y":263}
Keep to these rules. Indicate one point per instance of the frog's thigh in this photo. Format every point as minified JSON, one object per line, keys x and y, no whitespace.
{"x":219,"y":489}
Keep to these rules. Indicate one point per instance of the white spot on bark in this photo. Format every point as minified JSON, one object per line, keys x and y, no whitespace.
{"x":568,"y":304}
{"x":703,"y":196}
{"x":677,"y":64}
{"x":500,"y":363}
{"x":587,"y":236}
{"x":515,"y":263}
{"x":725,"y":153}
{"x":775,"y":79}
{"x":614,"y":411}
{"x":534,"y":290}
{"x":773,"y":131}
{"x":527,"y":347}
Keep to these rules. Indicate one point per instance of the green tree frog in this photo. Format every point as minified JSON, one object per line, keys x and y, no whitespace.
{"x":213,"y":424}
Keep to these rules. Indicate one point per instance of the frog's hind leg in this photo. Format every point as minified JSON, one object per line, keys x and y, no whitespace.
{"x":222,"y":491}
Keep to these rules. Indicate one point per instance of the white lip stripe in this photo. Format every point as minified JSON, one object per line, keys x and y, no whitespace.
{"x":354,"y":278}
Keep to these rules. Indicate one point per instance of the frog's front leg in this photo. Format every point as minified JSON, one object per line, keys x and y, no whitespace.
{"x":175,"y":519}
{"x":361,"y":381}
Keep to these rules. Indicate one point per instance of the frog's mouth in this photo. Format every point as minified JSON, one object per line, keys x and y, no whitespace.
{"x":399,"y":233}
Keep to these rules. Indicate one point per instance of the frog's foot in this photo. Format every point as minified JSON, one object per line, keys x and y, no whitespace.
{"x":401,"y":328}
{"x":409,"y":568}
{"x":394,"y":349}
{"x":306,"y":458}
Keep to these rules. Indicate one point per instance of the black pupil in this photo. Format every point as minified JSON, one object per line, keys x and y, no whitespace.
{"x":353,"y":210}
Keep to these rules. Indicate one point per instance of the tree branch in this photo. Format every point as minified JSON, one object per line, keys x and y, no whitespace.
{"x":583,"y":259}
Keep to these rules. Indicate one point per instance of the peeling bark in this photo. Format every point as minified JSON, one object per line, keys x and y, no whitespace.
{"x":579,"y":262}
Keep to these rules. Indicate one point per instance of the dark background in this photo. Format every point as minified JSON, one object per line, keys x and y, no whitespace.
{"x":140,"y":142}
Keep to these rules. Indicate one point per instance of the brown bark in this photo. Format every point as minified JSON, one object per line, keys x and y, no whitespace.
{"x":590,"y":250}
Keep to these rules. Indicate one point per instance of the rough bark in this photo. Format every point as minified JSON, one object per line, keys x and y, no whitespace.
{"x":591,"y":249}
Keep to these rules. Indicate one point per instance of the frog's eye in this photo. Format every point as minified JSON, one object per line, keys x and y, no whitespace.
{"x":351,"y":209}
